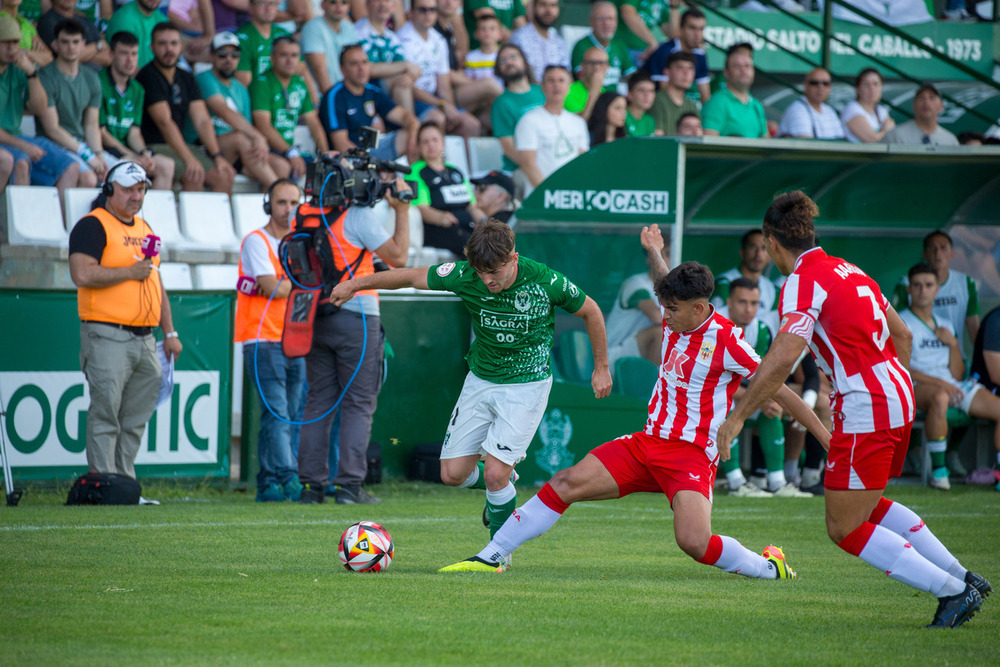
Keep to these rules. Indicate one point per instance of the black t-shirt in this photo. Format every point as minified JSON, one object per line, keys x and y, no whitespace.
{"x":48,"y":21}
{"x":88,"y":237}
{"x":988,"y":340}
{"x":178,"y":95}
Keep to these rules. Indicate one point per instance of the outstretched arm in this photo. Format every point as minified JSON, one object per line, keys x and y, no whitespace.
{"x":391,"y":279}
{"x":593,"y":321}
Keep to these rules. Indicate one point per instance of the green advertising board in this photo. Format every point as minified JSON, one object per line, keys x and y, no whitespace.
{"x":44,"y":395}
{"x":970,"y":44}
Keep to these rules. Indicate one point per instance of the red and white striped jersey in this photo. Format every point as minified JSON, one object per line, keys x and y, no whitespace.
{"x":700,"y":373}
{"x":841,"y":313}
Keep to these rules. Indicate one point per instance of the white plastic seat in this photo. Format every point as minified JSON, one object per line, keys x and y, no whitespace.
{"x":248,"y":213}
{"x":455,"y":154}
{"x":485,"y":155}
{"x":216,"y":276}
{"x":304,"y":140}
{"x":159,"y":209}
{"x":34,"y":216}
{"x":572,"y":34}
{"x":28,"y":125}
{"x":77,"y":203}
{"x":207,"y":221}
{"x":176,"y":276}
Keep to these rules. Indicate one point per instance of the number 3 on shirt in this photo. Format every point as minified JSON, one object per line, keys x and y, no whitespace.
{"x":879,"y":338}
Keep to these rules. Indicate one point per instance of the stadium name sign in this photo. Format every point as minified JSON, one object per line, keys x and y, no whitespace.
{"x":627,"y":202}
{"x":46,"y":420}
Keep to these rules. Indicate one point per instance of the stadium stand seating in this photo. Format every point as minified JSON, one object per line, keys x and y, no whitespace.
{"x":77,"y":203}
{"x":34,"y":217}
{"x":485,"y":154}
{"x":573,"y":34}
{"x":159,"y":209}
{"x":216,"y":276}
{"x":456,"y":154}
{"x":176,"y":276}
{"x":248,"y":213}
{"x":574,"y":356}
{"x":635,"y":377}
{"x":304,"y":140}
{"x":207,"y":219}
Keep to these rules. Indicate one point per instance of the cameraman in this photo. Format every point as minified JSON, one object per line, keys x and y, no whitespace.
{"x":339,"y":338}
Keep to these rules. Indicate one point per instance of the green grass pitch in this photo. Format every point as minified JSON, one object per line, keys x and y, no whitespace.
{"x":209,"y":577}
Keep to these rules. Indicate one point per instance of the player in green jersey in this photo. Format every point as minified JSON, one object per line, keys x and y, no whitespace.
{"x":511,"y":300}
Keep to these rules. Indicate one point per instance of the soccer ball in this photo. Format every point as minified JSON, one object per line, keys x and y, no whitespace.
{"x":366,"y":547}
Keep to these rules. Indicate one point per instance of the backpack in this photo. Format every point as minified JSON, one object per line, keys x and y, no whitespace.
{"x":98,"y":488}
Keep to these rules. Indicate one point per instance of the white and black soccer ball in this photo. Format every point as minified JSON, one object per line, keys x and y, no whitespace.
{"x":366,"y":547}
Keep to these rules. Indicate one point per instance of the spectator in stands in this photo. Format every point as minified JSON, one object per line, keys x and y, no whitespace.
{"x":547,"y":137}
{"x":644,"y":24}
{"x":540,"y":41}
{"x":196,"y":21}
{"x":864,"y":119}
{"x":322,"y":40}
{"x":443,"y":195}
{"x":31,"y":42}
{"x":385,"y":53}
{"x":74,"y":104}
{"x":480,"y":63}
{"x":957,"y":296}
{"x":924,"y":128}
{"x":937,"y":368}
{"x":589,"y":86}
{"x":672,"y":102}
{"x":228,"y":103}
{"x":172,"y":101}
{"x":433,"y":95}
{"x":256,"y":37}
{"x":635,"y":323}
{"x":689,"y":125}
{"x":754,"y":261}
{"x":603,"y":24}
{"x":896,"y":13}
{"x":691,"y":38}
{"x":732,"y":111}
{"x":607,"y":122}
{"x":511,"y":15}
{"x":279,"y":99}
{"x":495,"y":195}
{"x":810,"y":117}
{"x":37,"y":161}
{"x":641,"y":96}
{"x":355,"y":103}
{"x":450,"y":25}
{"x":970,"y":138}
{"x":122,"y":101}
{"x":230,"y":14}
{"x":986,"y":354}
{"x":138,"y":17}
{"x":6,"y":169}
{"x":521,"y":94}
{"x":260,"y":322}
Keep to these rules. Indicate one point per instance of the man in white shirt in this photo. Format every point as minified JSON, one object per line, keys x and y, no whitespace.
{"x":433,"y":97}
{"x":810,"y":117}
{"x":923,"y":129}
{"x":547,"y":137}
{"x":540,"y":41}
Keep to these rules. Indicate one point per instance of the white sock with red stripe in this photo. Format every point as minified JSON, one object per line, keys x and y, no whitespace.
{"x":729,"y":555}
{"x":527,"y":522}
{"x":903,"y":521}
{"x":884,"y":549}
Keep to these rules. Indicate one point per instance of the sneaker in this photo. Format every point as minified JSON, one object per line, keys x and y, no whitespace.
{"x":749,"y":490}
{"x":293,"y":490}
{"x":474,"y":564}
{"x":776,"y":557}
{"x":355,"y":495}
{"x":816,"y":490}
{"x":790,"y":491}
{"x":271,"y":494}
{"x":954,"y":463}
{"x":957,"y":609}
{"x":148,"y":501}
{"x":312,"y":495}
{"x":958,"y":15}
{"x":939,"y":480}
{"x":759,"y":482}
{"x":979,"y":583}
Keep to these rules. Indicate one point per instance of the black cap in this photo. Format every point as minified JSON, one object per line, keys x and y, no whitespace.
{"x":497,"y":178}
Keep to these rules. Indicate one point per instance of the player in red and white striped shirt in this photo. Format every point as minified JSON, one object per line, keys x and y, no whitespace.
{"x":859,"y":341}
{"x":704,"y":358}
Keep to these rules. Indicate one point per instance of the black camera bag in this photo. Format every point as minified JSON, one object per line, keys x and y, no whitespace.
{"x":98,"y":488}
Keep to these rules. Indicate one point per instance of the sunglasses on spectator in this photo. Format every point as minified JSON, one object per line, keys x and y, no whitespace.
{"x":426,"y":10}
{"x":228,"y":54}
{"x":819,"y":82}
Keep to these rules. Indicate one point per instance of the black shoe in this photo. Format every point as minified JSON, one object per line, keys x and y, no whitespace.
{"x":312,"y":495}
{"x":816,"y":489}
{"x":957,"y":609}
{"x":355,"y":495}
{"x":979,"y":583}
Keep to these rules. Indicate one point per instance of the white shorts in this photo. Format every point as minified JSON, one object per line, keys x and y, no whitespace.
{"x":966,"y":396}
{"x":495,"y":419}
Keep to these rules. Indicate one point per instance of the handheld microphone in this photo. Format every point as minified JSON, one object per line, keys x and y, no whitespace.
{"x":151,"y":246}
{"x":246,"y":285}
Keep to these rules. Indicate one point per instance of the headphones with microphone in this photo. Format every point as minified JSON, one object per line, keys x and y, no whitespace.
{"x":270,"y":191}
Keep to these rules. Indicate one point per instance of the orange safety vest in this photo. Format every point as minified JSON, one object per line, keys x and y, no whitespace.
{"x":132,"y":302}
{"x":250,"y":309}
{"x":359,"y":259}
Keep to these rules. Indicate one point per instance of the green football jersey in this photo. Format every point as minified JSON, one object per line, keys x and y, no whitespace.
{"x":514,"y":328}
{"x":120,"y":111}
{"x":285,"y":105}
{"x":255,"y":49}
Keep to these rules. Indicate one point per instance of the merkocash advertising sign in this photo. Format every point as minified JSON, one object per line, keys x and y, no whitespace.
{"x":970,"y":44}
{"x":45,"y":396}
{"x":629,"y":180}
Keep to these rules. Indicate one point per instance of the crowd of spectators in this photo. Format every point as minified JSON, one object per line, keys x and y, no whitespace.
{"x":108,"y":81}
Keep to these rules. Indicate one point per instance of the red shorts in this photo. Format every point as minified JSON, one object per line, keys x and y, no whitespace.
{"x":642,"y":462}
{"x":866,"y":460}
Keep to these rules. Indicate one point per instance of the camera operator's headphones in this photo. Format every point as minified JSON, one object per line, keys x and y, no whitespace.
{"x":108,"y":188}
{"x":270,"y":191}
